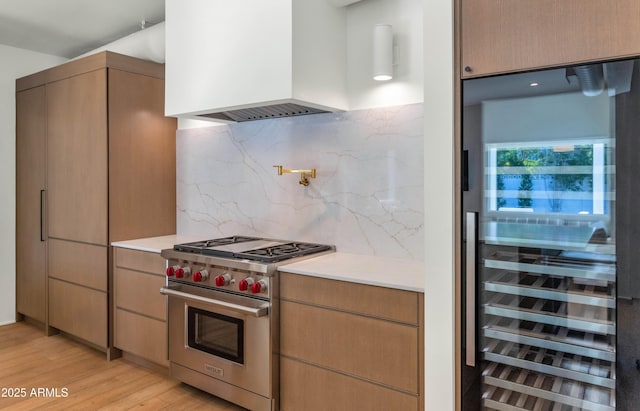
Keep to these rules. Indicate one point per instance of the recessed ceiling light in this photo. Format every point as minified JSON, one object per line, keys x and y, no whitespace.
{"x":534,"y":84}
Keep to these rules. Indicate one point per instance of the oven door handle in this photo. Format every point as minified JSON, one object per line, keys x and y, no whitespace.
{"x":256,"y":312}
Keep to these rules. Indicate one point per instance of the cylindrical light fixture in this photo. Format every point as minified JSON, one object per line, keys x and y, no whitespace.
{"x":382,"y":52}
{"x":591,"y":79}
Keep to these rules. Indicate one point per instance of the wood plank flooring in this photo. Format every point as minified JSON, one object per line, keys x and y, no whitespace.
{"x":31,"y":361}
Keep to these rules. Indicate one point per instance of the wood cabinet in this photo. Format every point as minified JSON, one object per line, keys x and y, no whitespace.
{"x":107,"y":159}
{"x":499,"y":36}
{"x":140,"y":326}
{"x":349,"y":346}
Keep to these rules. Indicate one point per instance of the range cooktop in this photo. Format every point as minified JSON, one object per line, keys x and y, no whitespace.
{"x":252,"y":248}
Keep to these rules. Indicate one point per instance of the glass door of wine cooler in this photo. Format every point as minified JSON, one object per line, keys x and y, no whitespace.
{"x":541,"y":218}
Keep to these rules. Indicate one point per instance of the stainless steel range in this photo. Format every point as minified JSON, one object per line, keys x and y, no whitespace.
{"x":223,"y":315}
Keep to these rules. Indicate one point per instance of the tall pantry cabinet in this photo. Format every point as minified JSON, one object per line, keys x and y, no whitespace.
{"x":95,"y":164}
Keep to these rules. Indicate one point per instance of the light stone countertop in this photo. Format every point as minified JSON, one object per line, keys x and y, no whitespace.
{"x":364,"y":269}
{"x":155,"y":244}
{"x":396,"y":273}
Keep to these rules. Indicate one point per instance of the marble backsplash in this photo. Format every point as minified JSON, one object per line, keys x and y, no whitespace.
{"x":367,"y":197}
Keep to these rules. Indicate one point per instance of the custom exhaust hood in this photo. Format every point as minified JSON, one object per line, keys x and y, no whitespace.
{"x":241,"y":61}
{"x":263,"y":112}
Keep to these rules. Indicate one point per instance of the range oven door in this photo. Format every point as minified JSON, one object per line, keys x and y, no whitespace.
{"x":221,"y":335}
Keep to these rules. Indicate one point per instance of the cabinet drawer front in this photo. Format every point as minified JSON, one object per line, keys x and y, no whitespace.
{"x":148,"y":262}
{"x":388,"y":303}
{"x":309,"y":388}
{"x":142,"y":336}
{"x":375,"y":350}
{"x":140,"y":292}
{"x":80,"y":311}
{"x":79,"y":263}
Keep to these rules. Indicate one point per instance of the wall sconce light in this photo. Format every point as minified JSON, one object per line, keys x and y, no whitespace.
{"x":382,"y":52}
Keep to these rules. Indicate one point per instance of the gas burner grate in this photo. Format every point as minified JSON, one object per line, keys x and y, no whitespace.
{"x":251,"y":248}
{"x":282,"y":252}
{"x":198,"y":246}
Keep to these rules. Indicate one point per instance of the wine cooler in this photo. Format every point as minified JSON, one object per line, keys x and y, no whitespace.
{"x":550,"y":238}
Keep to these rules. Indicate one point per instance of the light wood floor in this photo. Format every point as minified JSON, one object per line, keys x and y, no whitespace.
{"x":30,"y":360}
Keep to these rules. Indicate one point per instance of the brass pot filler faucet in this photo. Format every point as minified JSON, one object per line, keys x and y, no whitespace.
{"x":303,"y":174}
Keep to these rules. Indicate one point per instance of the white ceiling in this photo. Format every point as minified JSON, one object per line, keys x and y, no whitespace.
{"x":518,"y":85}
{"x":68,"y":28}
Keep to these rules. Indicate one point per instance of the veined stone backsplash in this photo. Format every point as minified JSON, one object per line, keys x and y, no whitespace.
{"x":367,"y":197}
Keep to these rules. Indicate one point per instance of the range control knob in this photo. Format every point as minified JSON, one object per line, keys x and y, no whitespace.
{"x":171,"y":271}
{"x":182,"y":272}
{"x":200,"y":276}
{"x":223,"y":280}
{"x":245,"y":284}
{"x":259,"y":287}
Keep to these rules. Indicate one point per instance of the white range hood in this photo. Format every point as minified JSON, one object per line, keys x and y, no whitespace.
{"x":252,"y":59}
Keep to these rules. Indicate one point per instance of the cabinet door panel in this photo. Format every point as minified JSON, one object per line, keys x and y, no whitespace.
{"x":311,"y":388}
{"x":379,"y":302}
{"x":142,"y":158}
{"x":380,"y":351}
{"x":140,"y":335}
{"x":30,"y":180}
{"x":77,"y":158}
{"x":140,"y":292}
{"x":83,"y":264}
{"x":79,"y":311}
{"x":500,"y":36}
{"x":148,"y":262}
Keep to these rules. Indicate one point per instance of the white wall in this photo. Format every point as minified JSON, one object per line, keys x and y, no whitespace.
{"x":147,"y":44}
{"x":438,"y":203}
{"x":15,"y":63}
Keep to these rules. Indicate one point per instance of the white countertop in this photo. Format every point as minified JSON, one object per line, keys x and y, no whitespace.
{"x":155,"y":244}
{"x":364,"y":269}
